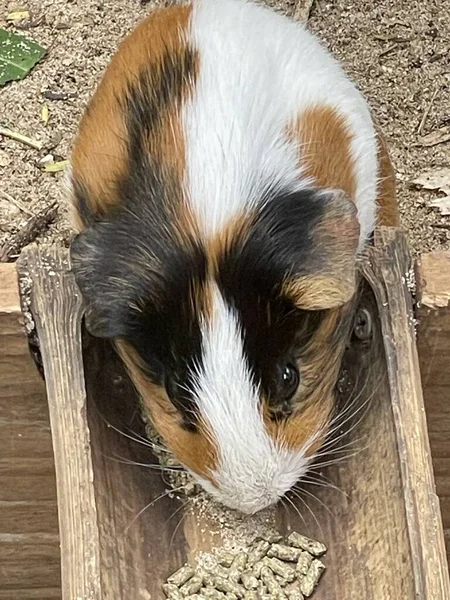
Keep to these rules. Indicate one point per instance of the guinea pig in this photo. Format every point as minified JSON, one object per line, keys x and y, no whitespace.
{"x":226,"y":176}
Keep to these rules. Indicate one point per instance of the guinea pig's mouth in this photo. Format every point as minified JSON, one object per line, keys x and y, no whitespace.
{"x":248,"y":503}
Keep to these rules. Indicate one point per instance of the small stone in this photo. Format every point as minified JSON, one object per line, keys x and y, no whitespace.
{"x":311,"y":579}
{"x":284,"y":552}
{"x":181,"y":576}
{"x":301,"y":541}
{"x":304,"y":562}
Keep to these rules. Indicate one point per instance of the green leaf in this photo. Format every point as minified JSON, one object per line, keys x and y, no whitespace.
{"x":18,"y":56}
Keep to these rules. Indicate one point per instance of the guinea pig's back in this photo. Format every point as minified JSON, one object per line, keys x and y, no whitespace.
{"x":229,"y":103}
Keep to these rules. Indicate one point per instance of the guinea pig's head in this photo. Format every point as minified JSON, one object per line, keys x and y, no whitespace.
{"x":233,"y":342}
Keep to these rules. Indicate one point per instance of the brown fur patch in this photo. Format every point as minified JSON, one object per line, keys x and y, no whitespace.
{"x":325,"y":140}
{"x":329,"y":279}
{"x":319,"y":292}
{"x":99,"y":155}
{"x":195,"y":450}
{"x":388,"y":213}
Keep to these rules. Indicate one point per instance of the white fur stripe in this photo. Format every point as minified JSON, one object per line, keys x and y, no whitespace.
{"x":252,"y":472}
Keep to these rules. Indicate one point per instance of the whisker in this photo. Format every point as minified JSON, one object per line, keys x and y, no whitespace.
{"x":145,"y":465}
{"x":150,"y":504}
{"x":309,"y":509}
{"x":296,"y":509}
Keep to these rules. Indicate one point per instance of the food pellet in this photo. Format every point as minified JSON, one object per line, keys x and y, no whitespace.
{"x":257,"y":552}
{"x":295,"y":595}
{"x":172,"y":592}
{"x":208,"y":578}
{"x":272,"y":537}
{"x":213,"y":594}
{"x":238,"y":566}
{"x":192,"y":586}
{"x":301,"y":541}
{"x":284,"y":552}
{"x":282,"y":569}
{"x":311,"y":579}
{"x":304,"y":562}
{"x":225,"y":558}
{"x":251,"y":595}
{"x":225,"y":585}
{"x":181,"y":576}
{"x":269,"y":579}
{"x":257,"y":568}
{"x":249,"y":581}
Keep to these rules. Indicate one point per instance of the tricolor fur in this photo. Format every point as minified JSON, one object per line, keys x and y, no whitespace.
{"x":225,"y":176}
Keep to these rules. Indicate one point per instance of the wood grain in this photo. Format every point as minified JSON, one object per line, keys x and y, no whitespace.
{"x":29,"y":540}
{"x":433,"y":341}
{"x":381,"y":521}
{"x":388,"y":269}
{"x":57,"y":309}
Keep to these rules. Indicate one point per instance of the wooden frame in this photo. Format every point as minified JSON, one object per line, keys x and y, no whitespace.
{"x":29,"y":541}
{"x":385,"y":536}
{"x":433,"y":340}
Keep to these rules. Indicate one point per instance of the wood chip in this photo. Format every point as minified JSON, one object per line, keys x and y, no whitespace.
{"x":26,"y":234}
{"x":302,"y":10}
{"x":18,"y":15}
{"x":18,"y":204}
{"x":19,"y":137}
{"x":56,"y":167}
{"x":440,"y":136}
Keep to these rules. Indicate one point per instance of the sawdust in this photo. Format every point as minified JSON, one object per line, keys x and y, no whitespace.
{"x":397,"y":52}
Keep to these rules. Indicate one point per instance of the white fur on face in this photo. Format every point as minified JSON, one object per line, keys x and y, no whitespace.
{"x":252,"y":471}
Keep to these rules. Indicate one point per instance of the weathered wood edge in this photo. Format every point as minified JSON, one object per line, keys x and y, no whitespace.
{"x":57,"y":310}
{"x":387,"y":268}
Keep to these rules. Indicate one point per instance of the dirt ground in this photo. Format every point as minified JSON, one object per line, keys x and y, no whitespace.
{"x":396,"y":50}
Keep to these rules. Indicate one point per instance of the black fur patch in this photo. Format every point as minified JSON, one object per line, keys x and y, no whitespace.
{"x":134,"y":274}
{"x":251,"y":275}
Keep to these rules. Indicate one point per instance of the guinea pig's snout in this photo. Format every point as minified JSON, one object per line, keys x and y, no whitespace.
{"x":248,"y":497}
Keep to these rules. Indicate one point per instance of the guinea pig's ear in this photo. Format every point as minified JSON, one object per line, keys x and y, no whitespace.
{"x":106,"y":310}
{"x":327,"y":277}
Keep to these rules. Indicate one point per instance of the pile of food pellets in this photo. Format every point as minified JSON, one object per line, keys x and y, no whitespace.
{"x":271,"y":569}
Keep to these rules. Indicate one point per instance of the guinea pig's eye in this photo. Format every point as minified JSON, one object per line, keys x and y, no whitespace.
{"x":288,"y":380}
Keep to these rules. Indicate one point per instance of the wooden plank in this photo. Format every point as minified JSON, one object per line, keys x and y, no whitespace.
{"x":57,"y":310}
{"x":382,"y":527}
{"x":433,"y":341}
{"x":388,"y":269}
{"x":29,"y":559}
